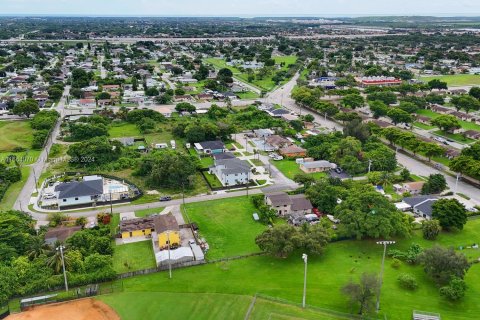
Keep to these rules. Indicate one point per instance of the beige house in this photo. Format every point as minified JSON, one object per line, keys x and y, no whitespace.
{"x":285,"y":204}
{"x":317,"y":166}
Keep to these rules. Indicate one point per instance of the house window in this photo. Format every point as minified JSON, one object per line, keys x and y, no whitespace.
{"x":76,"y":199}
{"x":131,"y":234}
{"x":64,"y":200}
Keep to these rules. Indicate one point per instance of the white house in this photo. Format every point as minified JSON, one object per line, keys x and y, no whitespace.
{"x":79,"y":192}
{"x":231,"y":171}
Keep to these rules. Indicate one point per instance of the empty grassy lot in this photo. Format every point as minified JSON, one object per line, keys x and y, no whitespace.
{"x":15,"y":134}
{"x":133,"y":256}
{"x":456,"y":79}
{"x":290,"y":168}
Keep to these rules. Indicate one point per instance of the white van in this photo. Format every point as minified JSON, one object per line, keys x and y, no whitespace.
{"x":173,"y":144}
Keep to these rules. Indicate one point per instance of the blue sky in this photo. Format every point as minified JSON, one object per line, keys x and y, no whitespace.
{"x":242,"y":7}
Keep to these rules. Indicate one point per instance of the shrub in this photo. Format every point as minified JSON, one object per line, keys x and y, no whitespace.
{"x":396,"y":263}
{"x":455,"y":290}
{"x":431,"y":229}
{"x":407,"y":281}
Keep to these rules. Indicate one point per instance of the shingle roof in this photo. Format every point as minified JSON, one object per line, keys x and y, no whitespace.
{"x":299,"y":202}
{"x":414,"y":201}
{"x":212,"y":145}
{"x":319,"y":164}
{"x":279,"y":199}
{"x":136,"y":224}
{"x":80,"y":189}
{"x":224,"y":156}
{"x":233,"y":165}
{"x":166,"y":222}
{"x":60,"y":233}
{"x":426,"y":207}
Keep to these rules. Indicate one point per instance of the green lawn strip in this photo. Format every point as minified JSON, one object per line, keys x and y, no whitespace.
{"x":147,"y":212}
{"x":247,"y":95}
{"x":227,"y":225}
{"x":133,"y":256}
{"x":167,"y":305}
{"x":467,"y":125}
{"x":123,"y":129}
{"x":423,"y":126}
{"x":257,"y":162}
{"x":12,"y":192}
{"x":290,"y":168}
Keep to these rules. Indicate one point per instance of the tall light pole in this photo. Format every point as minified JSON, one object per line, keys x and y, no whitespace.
{"x":305,"y":260}
{"x":380,"y":280}
{"x":61,"y":248}
{"x":169,"y":261}
{"x":456,"y":181}
{"x":369,"y":165}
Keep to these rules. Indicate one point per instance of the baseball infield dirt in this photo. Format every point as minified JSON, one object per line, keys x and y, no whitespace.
{"x":85,"y":309}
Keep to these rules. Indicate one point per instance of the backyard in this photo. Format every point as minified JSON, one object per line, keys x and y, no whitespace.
{"x":133,"y":256}
{"x":283,"y":278}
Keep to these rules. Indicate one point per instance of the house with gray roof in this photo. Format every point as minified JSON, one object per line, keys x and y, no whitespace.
{"x":421,"y":205}
{"x":79,"y":192}
{"x":231,"y":171}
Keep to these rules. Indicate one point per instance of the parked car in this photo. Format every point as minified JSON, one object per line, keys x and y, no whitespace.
{"x":338,"y":170}
{"x":333,"y":219}
{"x":317,"y":212}
{"x":272,"y":155}
{"x":165,"y":198}
{"x":278,"y":158}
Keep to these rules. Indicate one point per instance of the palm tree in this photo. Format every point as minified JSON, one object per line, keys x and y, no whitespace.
{"x":54,"y":261}
{"x":37,"y":247}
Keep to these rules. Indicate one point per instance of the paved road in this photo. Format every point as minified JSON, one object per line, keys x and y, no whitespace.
{"x":37,"y":168}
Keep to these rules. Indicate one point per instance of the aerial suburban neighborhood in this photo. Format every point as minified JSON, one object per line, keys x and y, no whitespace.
{"x":163,"y":162}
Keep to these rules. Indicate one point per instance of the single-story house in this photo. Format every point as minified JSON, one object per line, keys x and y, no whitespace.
{"x":317,"y":166}
{"x":472,"y":134}
{"x":165,"y":111}
{"x":413,"y":188}
{"x":79,"y":192}
{"x":440,"y":109}
{"x":87,"y":103}
{"x":60,"y":234}
{"x":277,"y":141}
{"x":210,"y":147}
{"x":423,"y":119}
{"x":293,"y":151}
{"x":263,"y":133}
{"x":231,"y":171}
{"x":277,"y":113}
{"x":421,"y":205}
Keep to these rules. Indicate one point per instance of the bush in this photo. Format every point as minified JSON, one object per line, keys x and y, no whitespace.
{"x":455,"y":290}
{"x":396,"y":263}
{"x":431,"y":229}
{"x":407,"y":281}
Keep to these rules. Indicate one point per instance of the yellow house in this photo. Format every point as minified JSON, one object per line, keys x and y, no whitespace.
{"x":167,"y":230}
{"x":136,"y":227}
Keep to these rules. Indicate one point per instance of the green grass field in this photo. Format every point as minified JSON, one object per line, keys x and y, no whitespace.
{"x":146,"y":212}
{"x":15,"y":134}
{"x":123,"y":129}
{"x":456,"y":80}
{"x":227,"y":225}
{"x":467,"y":125}
{"x":457,"y":136}
{"x":290,"y":168}
{"x":133,"y":256}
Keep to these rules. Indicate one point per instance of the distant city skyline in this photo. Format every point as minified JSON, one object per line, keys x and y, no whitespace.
{"x":241,"y":8}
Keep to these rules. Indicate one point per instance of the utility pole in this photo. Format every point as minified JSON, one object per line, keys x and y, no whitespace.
{"x":369,"y":165}
{"x":61,"y":248}
{"x":111,"y":206}
{"x":380,"y":280}
{"x":305,"y":260}
{"x":35,"y":178}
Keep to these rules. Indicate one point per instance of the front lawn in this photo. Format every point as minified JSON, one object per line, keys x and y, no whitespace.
{"x":423,"y":126}
{"x":133,"y":256}
{"x":213,"y":180}
{"x":147,"y":212}
{"x":290,"y":168}
{"x":123,"y":129}
{"x":454,"y":136}
{"x":227,"y":225}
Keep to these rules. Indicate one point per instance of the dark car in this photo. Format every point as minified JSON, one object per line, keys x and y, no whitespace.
{"x":165,"y":198}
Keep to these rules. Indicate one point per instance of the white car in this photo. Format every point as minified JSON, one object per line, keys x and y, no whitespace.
{"x":272,"y":155}
{"x":278,"y":158}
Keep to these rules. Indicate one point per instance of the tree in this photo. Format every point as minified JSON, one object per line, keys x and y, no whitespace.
{"x":432,"y":150}
{"x":446,"y":122}
{"x":407,"y":281}
{"x":378,"y":108}
{"x":465,"y":102}
{"x":455,"y":290}
{"x":280,"y":241}
{"x":437,"y":84}
{"x":436,"y":183}
{"x":475,"y":92}
{"x":366,"y":213}
{"x":304,"y":178}
{"x":363,"y":293}
{"x":168,"y":168}
{"x":386,"y":97}
{"x":450,"y":213}
{"x":185,"y":106}
{"x":94,"y":152}
{"x":357,"y":129}
{"x":26,"y":108}
{"x":324,"y":196}
{"x":431,"y":229}
{"x":405,"y":174}
{"x":443,"y":265}
{"x":399,"y":116}
{"x":353,"y":101}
